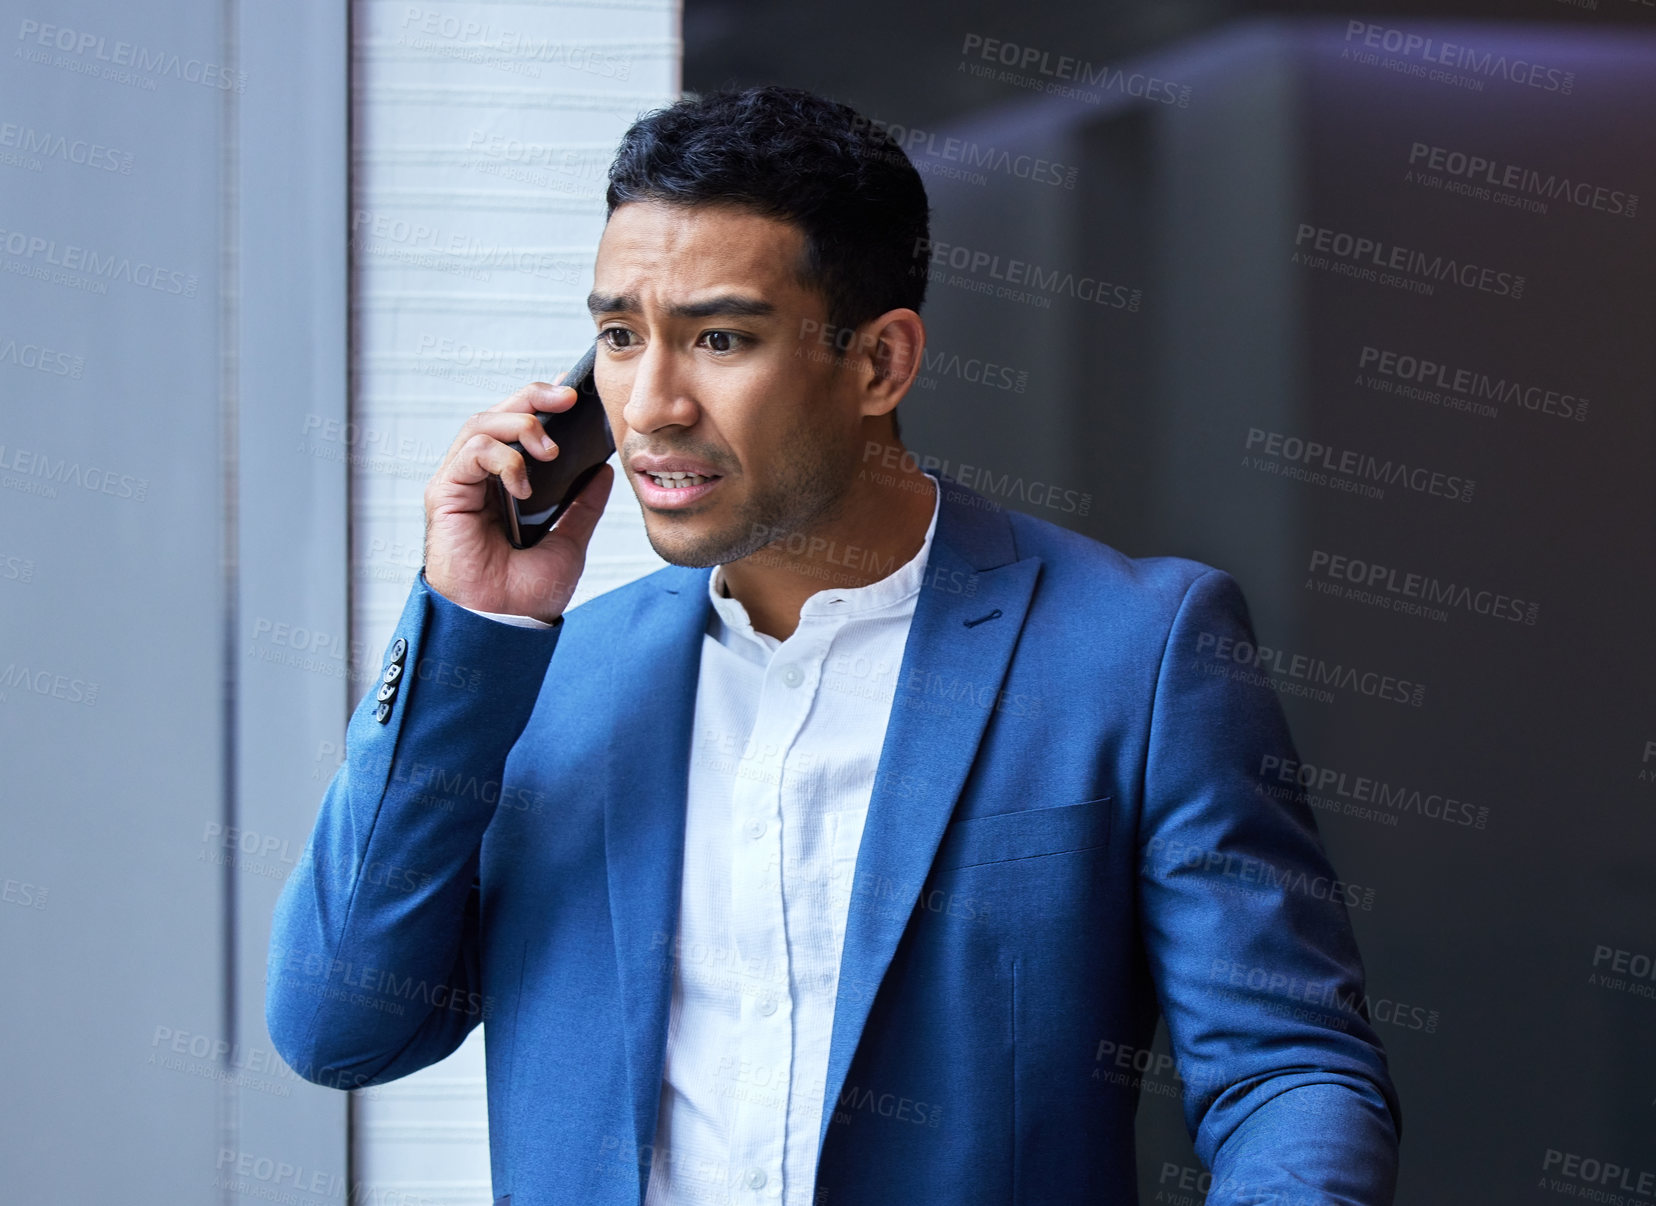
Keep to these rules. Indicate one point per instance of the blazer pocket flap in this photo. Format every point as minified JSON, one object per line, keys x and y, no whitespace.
{"x":1027,"y":833}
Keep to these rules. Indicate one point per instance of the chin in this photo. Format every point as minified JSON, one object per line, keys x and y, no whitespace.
{"x":677,"y":545}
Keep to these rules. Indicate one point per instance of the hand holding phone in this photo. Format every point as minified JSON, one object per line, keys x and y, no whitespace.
{"x":582,"y":434}
{"x":470,"y":558}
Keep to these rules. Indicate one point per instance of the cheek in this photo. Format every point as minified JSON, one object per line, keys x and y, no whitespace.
{"x":618,"y":425}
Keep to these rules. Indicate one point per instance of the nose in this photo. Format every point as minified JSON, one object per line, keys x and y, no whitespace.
{"x":659,"y":394}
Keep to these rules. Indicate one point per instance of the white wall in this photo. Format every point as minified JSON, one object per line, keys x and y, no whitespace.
{"x":482,"y":138}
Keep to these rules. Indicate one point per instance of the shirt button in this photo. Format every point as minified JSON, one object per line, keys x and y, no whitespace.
{"x":756,"y":1178}
{"x":754,"y":829}
{"x":792,"y":675}
{"x":766,"y":1007}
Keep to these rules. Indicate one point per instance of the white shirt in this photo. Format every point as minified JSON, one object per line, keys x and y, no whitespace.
{"x":786,"y":742}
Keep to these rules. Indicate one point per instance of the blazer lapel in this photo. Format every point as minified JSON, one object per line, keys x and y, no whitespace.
{"x":954,"y":663}
{"x":644,"y":816}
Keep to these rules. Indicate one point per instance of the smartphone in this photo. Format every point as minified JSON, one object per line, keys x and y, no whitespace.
{"x":582,"y":434}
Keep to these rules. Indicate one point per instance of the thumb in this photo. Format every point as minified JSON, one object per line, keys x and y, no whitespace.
{"x":581,"y":517}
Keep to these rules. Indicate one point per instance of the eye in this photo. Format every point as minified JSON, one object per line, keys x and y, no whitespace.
{"x":722,"y":343}
{"x":618,"y":338}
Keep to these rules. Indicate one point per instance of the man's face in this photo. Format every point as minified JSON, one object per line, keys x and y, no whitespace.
{"x":702,"y":367}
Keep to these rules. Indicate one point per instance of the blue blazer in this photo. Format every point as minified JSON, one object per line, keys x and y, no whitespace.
{"x":1069,"y":834}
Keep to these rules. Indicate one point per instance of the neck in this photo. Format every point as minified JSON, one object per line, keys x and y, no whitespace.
{"x":879,"y":528}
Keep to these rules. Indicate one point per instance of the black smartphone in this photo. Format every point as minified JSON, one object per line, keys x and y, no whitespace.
{"x":582,"y":434}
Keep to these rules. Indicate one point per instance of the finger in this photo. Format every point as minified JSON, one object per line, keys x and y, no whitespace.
{"x":538,"y":395}
{"x":506,"y":426}
{"x":482,"y":456}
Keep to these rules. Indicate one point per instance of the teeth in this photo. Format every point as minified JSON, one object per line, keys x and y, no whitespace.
{"x":678,"y":479}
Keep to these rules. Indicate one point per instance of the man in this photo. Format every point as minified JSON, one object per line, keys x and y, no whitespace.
{"x":841,"y":860}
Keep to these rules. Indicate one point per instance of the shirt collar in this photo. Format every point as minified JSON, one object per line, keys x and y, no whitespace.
{"x":840,"y":602}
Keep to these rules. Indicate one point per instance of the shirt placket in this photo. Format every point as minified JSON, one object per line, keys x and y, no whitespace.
{"x":808,"y":841}
{"x":758,"y":901}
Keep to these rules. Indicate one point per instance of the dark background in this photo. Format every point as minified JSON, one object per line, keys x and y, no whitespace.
{"x":1491,"y":926}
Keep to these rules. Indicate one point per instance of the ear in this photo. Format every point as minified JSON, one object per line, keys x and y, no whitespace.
{"x":893,"y":348}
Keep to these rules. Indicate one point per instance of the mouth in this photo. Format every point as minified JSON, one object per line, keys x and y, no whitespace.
{"x":675,"y":488}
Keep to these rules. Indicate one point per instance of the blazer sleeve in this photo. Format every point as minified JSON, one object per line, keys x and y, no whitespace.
{"x":374,"y":967}
{"x":1287,"y":1094}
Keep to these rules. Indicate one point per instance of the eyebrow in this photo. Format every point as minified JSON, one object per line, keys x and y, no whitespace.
{"x":735,"y":304}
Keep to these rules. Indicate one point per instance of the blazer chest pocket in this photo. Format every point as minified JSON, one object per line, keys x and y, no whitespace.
{"x":1028,"y":833}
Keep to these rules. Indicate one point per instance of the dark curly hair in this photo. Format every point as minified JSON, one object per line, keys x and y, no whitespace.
{"x":788,"y":154}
